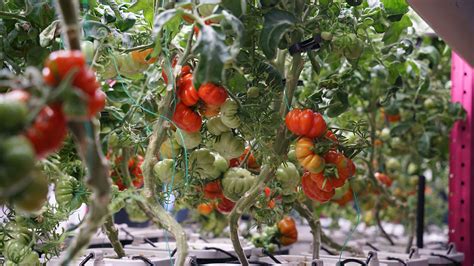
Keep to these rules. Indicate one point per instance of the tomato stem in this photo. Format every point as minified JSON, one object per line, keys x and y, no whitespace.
{"x":314,"y":224}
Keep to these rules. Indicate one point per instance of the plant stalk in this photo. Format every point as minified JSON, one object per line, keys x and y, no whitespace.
{"x":314,"y":224}
{"x":112,"y":234}
{"x":379,"y":225}
{"x":87,"y":142}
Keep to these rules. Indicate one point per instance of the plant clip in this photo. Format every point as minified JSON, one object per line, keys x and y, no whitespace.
{"x":304,"y":46}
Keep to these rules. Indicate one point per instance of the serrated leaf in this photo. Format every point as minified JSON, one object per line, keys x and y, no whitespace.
{"x":395,"y":30}
{"x":395,"y":7}
{"x":213,"y":55}
{"x":48,"y":34}
{"x":273,"y":77}
{"x":276,"y":24}
{"x":146,"y":7}
{"x":162,"y":18}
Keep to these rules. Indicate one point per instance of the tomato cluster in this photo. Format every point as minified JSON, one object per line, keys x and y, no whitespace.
{"x":134,"y":167}
{"x":213,"y":191}
{"x":211,"y":95}
{"x":325,"y":169}
{"x":63,"y":64}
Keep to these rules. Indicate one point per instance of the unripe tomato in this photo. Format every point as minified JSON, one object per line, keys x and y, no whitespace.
{"x":87,"y":47}
{"x":209,"y":111}
{"x":212,"y":94}
{"x":33,"y":197}
{"x":253,"y":92}
{"x":201,"y":164}
{"x":143,"y":56}
{"x":287,"y":174}
{"x":18,"y":160}
{"x":135,"y":214}
{"x":47,"y":131}
{"x":68,"y":192}
{"x":229,"y":114}
{"x":228,"y":145}
{"x":186,"y":119}
{"x":216,"y":127}
{"x":205,"y":208}
{"x":306,"y":156}
{"x":236,"y":182}
{"x":187,"y":140}
{"x":306,"y":123}
{"x":186,"y":91}
{"x":13,"y":111}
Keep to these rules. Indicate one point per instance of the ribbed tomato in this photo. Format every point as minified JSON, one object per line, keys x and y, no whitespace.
{"x":330,"y":135}
{"x":48,"y":130}
{"x":311,"y":190}
{"x":212,"y":94}
{"x":209,"y":111}
{"x":307,"y":157}
{"x":225,"y":205}
{"x":213,"y":190}
{"x":96,"y":103}
{"x":306,"y":123}
{"x":59,"y":64}
{"x":186,"y":91}
{"x":288,"y":231}
{"x":186,"y":119}
{"x":86,"y":81}
{"x":186,"y":69}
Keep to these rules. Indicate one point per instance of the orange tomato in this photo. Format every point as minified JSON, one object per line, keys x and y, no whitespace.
{"x":384,"y":179}
{"x":141,"y":56}
{"x":312,"y":191}
{"x":288,"y":231}
{"x":306,"y":156}
{"x":208,"y":110}
{"x":205,"y":208}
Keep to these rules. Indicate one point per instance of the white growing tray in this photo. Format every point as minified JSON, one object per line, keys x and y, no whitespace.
{"x":107,"y":257}
{"x":197,"y":249}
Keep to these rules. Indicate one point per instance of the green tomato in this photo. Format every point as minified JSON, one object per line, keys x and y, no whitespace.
{"x":385,"y":134}
{"x":236,"y":182}
{"x":327,"y":36}
{"x":13,"y":115}
{"x":354,"y":48}
{"x":169,"y":149}
{"x":166,"y":172}
{"x":191,"y":140}
{"x":253,"y":92}
{"x":292,"y":154}
{"x":34,"y":196}
{"x":220,"y":163}
{"x":229,"y":146}
{"x":429,"y":104}
{"x":18,"y":160}
{"x":127,"y":66}
{"x":289,"y":177}
{"x":216,"y":127}
{"x":69,"y":192}
{"x":413,"y":169}
{"x":393,"y":164}
{"x":135,"y":214}
{"x":201,"y":164}
{"x":16,"y":251}
{"x":229,"y":115}
{"x":87,"y":48}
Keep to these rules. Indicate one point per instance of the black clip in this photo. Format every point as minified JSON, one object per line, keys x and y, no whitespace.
{"x":86,"y":259}
{"x":144,"y":259}
{"x":304,"y":46}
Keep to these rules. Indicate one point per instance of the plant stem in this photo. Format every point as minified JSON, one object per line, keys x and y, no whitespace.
{"x":87,"y":142}
{"x":379,"y":224}
{"x":112,"y":235}
{"x":7,"y":15}
{"x":280,"y":147}
{"x":328,"y":241}
{"x":314,"y":224}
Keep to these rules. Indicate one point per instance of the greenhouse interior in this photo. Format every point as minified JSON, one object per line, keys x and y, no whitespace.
{"x":237,"y":132}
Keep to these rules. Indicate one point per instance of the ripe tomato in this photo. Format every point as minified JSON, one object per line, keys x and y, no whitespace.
{"x":384,"y":179}
{"x":186,"y":69}
{"x":213,"y":190}
{"x":60,"y":63}
{"x":186,"y":119}
{"x":86,"y":81}
{"x":330,"y":135}
{"x":142,"y":56}
{"x":205,"y":208}
{"x":225,"y":205}
{"x":212,"y":94}
{"x":288,"y":231}
{"x":96,"y":103}
{"x":209,"y":111}
{"x":345,"y":169}
{"x":48,"y":130}
{"x":311,"y":190}
{"x":251,"y":161}
{"x":135,"y":166}
{"x":347,"y":197}
{"x":306,"y":123}
{"x":306,"y":156}
{"x":186,"y":91}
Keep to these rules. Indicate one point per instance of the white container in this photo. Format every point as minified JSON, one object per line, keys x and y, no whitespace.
{"x":107,"y":257}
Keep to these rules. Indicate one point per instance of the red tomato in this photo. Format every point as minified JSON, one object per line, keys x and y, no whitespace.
{"x":16,"y":95}
{"x":225,"y":205}
{"x":60,"y":63}
{"x":48,"y":130}
{"x":212,"y":94}
{"x":311,"y":190}
{"x":384,"y":179}
{"x":86,"y":81}
{"x":234,"y":162}
{"x":330,"y":135}
{"x":267,"y":191}
{"x":288,"y":231}
{"x":186,"y":91}
{"x":186,"y":119}
{"x":96,"y":103}
{"x":213,"y":190}
{"x":174,"y":61}
{"x":306,"y":123}
{"x":209,"y":111}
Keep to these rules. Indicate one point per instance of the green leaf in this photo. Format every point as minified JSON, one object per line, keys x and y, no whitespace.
{"x":400,"y":129}
{"x":276,"y":24}
{"x":395,"y":7}
{"x":395,"y":30}
{"x":213,"y":55}
{"x":48,"y":34}
{"x":431,"y":54}
{"x":232,"y":22}
{"x":235,"y":6}
{"x":236,"y":82}
{"x":162,"y":19}
{"x":146,"y":6}
{"x":95,"y":29}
